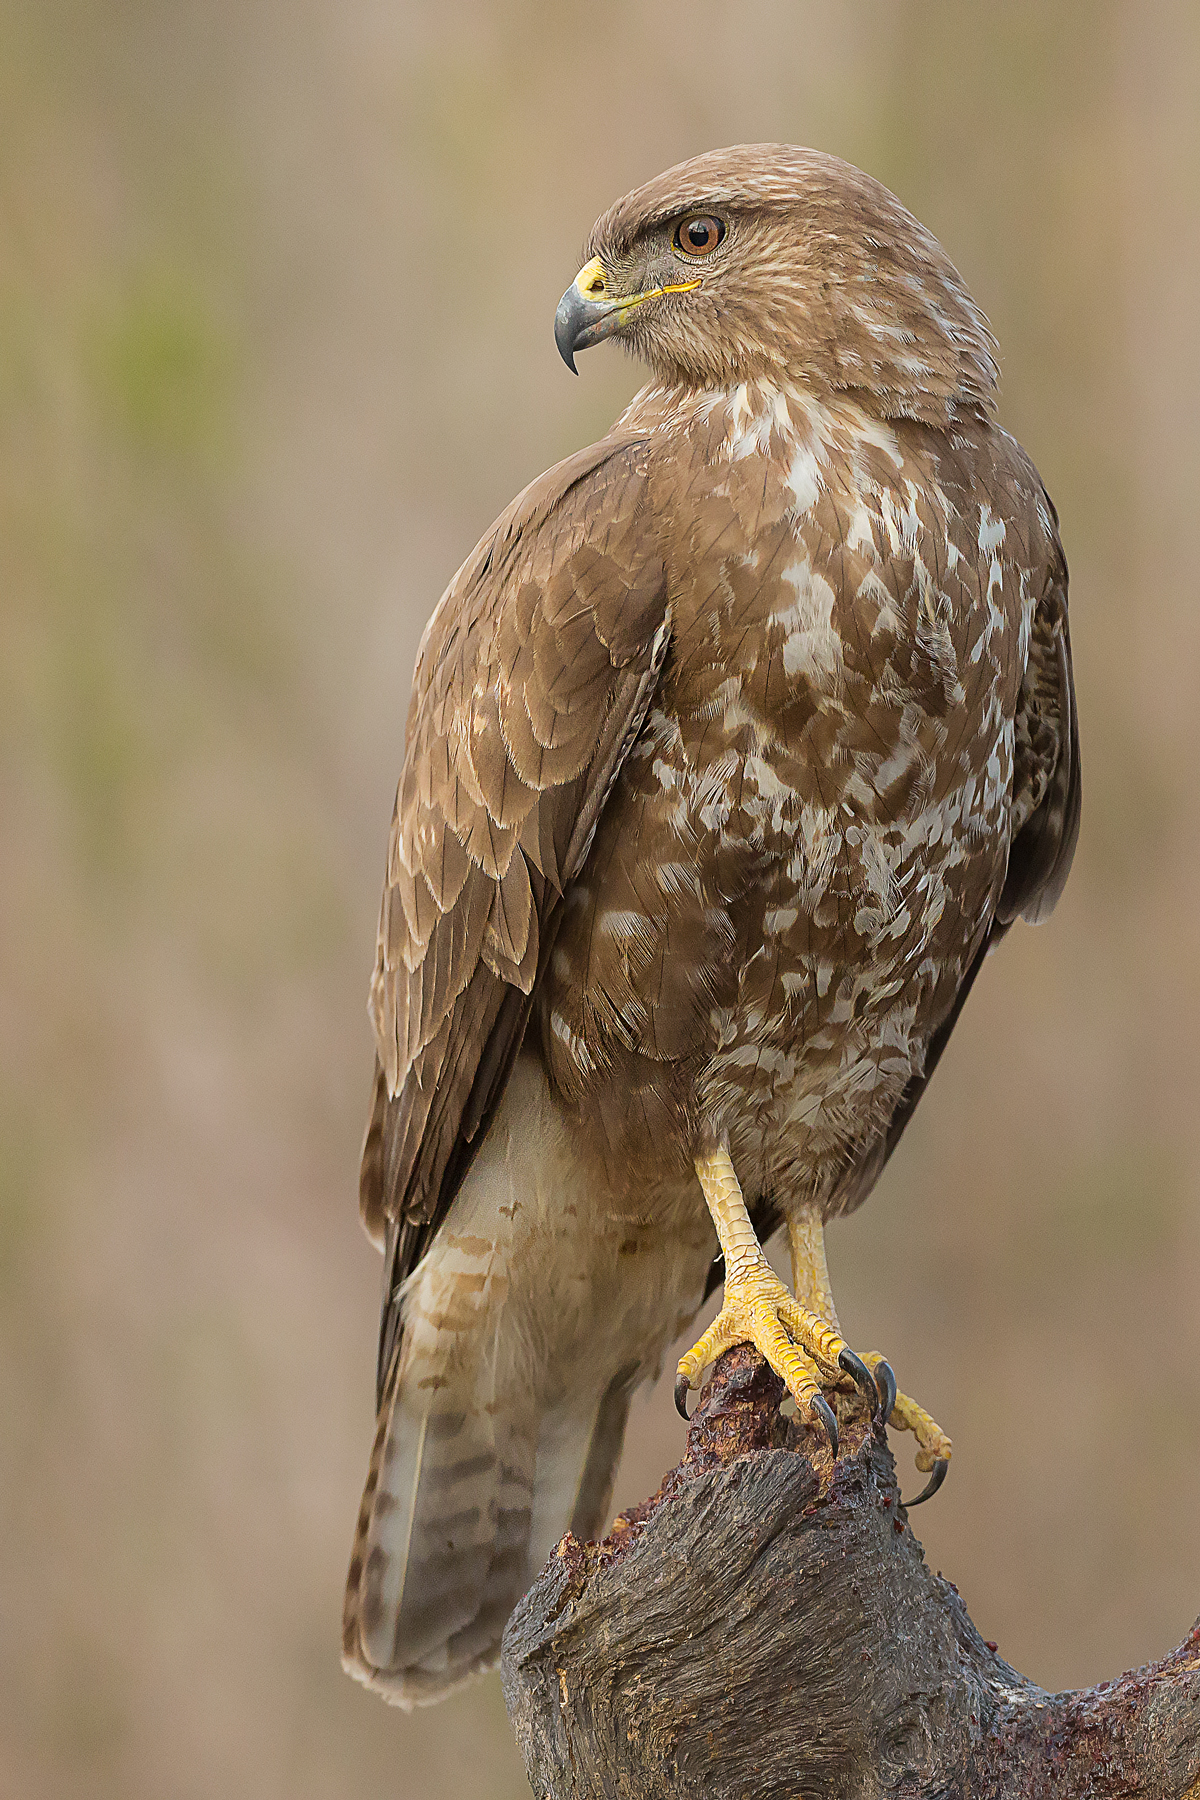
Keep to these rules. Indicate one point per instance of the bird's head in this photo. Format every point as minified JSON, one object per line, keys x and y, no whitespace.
{"x":781,"y":264}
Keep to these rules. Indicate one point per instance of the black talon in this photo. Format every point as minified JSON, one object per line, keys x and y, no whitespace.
{"x":932,"y":1485}
{"x":681,"y":1393}
{"x":854,"y":1366}
{"x":824,"y":1412}
{"x":885,"y":1381}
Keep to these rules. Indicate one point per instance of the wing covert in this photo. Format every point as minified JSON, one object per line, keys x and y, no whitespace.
{"x":533,"y":677}
{"x":1047,"y":789}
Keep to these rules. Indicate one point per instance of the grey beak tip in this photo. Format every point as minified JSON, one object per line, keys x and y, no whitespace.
{"x":566,"y":328}
{"x":579,"y":323}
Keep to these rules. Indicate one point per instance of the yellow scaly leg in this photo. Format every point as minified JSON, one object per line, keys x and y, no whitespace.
{"x":801,"y":1347}
{"x":810,"y":1279}
{"x":810,"y":1271}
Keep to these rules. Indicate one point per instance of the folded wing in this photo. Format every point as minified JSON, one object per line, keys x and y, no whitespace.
{"x":532,"y":681}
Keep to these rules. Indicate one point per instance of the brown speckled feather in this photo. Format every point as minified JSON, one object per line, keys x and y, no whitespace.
{"x":533,"y":678}
{"x":808,"y":850}
{"x":1048,"y":794}
{"x":733,"y":747}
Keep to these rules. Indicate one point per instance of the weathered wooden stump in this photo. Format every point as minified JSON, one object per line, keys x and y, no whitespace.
{"x":766,"y":1625}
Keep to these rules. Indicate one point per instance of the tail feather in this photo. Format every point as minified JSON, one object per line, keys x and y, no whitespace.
{"x":431,"y":1542}
{"x":579,"y":1446}
{"x":522,"y":1332}
{"x":460,"y":1509}
{"x":603,"y":1452}
{"x":443,"y":1528}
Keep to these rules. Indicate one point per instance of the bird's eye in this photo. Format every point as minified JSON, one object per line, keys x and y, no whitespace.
{"x":697,"y":236}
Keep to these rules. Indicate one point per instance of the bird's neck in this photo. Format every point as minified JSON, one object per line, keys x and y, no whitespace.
{"x":759,"y":417}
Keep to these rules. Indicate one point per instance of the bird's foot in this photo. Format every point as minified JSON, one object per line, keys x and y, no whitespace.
{"x":803,"y":1349}
{"x":934,"y":1448}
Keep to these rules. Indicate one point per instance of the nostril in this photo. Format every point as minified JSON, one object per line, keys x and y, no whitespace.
{"x":596,"y":286}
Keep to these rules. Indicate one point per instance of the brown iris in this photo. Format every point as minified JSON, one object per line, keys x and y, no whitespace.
{"x":698,"y":235}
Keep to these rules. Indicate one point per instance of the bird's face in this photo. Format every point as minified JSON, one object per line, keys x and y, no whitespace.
{"x":705,"y":296}
{"x":770,"y":262}
{"x":665,"y":261}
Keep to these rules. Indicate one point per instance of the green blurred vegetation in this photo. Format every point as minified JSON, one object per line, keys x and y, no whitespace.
{"x":276,"y":291}
{"x":162,"y":368}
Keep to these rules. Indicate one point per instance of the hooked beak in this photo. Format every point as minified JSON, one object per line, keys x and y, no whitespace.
{"x":589,"y":312}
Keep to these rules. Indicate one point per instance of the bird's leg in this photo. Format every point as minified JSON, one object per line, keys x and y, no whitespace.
{"x":802,"y":1348}
{"x":810,"y":1278}
{"x":810,"y":1271}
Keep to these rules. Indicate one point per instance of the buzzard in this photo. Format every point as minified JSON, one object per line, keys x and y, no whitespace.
{"x":733,"y":747}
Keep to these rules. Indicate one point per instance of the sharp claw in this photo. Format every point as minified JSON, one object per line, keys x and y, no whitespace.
{"x":854,"y":1366}
{"x":824,"y":1412}
{"x":682,"y":1384}
{"x":932,"y":1485}
{"x":885,"y":1381}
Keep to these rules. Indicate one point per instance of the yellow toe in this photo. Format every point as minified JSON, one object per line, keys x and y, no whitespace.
{"x":801,"y":1348}
{"x":933,"y":1445}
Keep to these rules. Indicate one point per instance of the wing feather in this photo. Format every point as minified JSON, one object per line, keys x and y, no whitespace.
{"x":1046,"y":802}
{"x":1047,"y":792}
{"x":534,"y":676}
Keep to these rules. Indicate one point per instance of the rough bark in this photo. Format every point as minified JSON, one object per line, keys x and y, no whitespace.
{"x":766,"y":1625}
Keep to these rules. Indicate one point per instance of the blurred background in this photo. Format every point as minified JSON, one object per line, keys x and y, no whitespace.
{"x":276,"y":292}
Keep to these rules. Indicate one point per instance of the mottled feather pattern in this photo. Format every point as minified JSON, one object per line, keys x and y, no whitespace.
{"x":531,"y":676}
{"x":733,"y":747}
{"x":807,"y":844}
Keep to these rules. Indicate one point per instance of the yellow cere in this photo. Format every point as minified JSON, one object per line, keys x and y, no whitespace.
{"x":592,"y":284}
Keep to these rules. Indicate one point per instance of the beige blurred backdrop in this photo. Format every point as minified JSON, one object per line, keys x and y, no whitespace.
{"x":276,"y":292}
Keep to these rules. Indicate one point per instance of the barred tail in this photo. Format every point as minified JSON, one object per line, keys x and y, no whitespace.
{"x":462,"y":1505}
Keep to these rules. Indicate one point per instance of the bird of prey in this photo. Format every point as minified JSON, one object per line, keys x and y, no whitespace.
{"x":733,"y":747}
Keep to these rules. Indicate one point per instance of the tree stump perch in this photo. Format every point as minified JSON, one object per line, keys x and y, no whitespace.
{"x":766,"y":1625}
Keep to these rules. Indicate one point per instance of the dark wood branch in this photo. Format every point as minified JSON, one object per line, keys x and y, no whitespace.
{"x":766,"y":1626}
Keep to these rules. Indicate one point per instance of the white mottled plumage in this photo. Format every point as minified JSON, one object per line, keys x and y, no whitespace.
{"x":732,"y":748}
